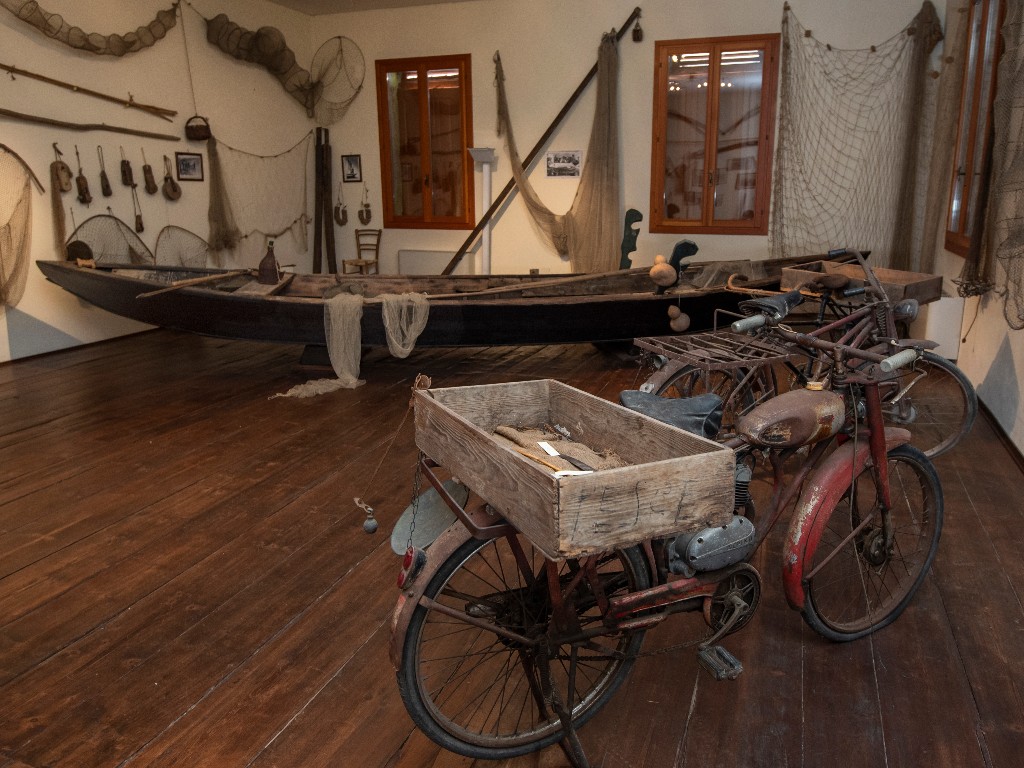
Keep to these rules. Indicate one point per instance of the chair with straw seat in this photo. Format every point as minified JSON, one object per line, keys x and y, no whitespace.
{"x":367,"y":248}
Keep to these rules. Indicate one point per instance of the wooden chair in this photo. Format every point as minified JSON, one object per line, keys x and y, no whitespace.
{"x":367,"y":247}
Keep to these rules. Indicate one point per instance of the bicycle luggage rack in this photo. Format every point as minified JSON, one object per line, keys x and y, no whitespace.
{"x":718,"y":350}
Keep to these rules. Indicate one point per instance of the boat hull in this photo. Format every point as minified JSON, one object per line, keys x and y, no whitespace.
{"x":460,"y":321}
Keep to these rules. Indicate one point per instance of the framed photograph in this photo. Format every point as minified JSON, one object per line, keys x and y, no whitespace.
{"x":351,"y":168}
{"x":189,"y":166}
{"x":568,"y":163}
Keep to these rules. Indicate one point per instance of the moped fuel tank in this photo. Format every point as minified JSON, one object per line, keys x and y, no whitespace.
{"x":792,"y":419}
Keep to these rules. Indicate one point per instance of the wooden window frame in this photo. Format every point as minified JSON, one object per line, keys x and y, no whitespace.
{"x":957,"y":240}
{"x":663,"y":49}
{"x":428,"y":220}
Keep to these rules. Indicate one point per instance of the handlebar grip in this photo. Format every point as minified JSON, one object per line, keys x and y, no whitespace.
{"x":900,"y":359}
{"x":856,"y":291}
{"x":748,"y":323}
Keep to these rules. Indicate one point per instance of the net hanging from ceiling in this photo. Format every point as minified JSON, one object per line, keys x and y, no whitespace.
{"x":1006,"y":197}
{"x":254,"y":198}
{"x":589,"y":233}
{"x":54,"y":27}
{"x":846,"y":166}
{"x":325,"y":91}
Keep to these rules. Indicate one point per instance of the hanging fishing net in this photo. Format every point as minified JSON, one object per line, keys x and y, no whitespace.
{"x":112,"y":241}
{"x":589,"y":233}
{"x":178,"y":247}
{"x":15,"y":227}
{"x":1006,"y":200}
{"x":405,"y":317}
{"x":846,"y":166}
{"x":54,"y":27}
{"x":325,"y":92}
{"x":254,"y":198}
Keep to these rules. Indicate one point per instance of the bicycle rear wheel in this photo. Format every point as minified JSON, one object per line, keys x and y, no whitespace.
{"x":938,"y":407}
{"x":856,"y":585}
{"x":479,"y":693}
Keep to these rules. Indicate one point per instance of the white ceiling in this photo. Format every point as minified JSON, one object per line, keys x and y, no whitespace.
{"x":320,"y":7}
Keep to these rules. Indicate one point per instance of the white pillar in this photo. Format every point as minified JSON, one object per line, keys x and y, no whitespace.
{"x":486,"y":159}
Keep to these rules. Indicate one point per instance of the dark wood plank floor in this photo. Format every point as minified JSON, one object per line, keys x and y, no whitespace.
{"x":184,"y":581}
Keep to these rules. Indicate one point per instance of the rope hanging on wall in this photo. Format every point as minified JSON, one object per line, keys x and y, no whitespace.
{"x":53,"y":26}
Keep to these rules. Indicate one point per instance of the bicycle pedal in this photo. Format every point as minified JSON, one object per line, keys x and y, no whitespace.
{"x":719,"y":662}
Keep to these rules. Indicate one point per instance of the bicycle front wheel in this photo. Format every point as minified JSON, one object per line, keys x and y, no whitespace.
{"x":938,"y":407}
{"x":859,"y":582}
{"x":480,"y":693}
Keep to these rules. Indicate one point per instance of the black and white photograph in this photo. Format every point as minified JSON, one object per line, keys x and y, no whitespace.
{"x":351,"y":168}
{"x":189,"y":166}
{"x":565,"y":163}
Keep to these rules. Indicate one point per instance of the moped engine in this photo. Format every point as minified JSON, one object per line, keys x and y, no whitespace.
{"x":711,"y":548}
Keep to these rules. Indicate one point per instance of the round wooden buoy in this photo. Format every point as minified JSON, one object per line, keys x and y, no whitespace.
{"x":678,"y":320}
{"x":662,"y":273}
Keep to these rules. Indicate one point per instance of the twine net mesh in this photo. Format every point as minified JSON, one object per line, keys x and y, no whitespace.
{"x":15,"y":218}
{"x":342,"y":316}
{"x":405,"y":317}
{"x":325,"y":91}
{"x":112,"y":241}
{"x":590,"y":231}
{"x":254,"y":198}
{"x":178,"y":247}
{"x":1006,"y":198}
{"x":846,"y":166}
{"x":53,"y":26}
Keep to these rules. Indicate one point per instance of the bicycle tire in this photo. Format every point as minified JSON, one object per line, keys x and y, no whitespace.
{"x":474,"y":692}
{"x":740,"y":389}
{"x":863,"y":587}
{"x":939,"y":409}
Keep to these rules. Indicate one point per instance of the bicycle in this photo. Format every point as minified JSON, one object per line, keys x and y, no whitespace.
{"x":933,"y":396}
{"x":500,"y":651}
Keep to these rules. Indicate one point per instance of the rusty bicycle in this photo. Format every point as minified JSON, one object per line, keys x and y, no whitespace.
{"x":501,"y":650}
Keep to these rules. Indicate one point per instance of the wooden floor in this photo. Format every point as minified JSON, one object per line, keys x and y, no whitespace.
{"x":184,"y":581}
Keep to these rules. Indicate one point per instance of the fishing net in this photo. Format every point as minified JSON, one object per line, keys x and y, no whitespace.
{"x":589,"y":232}
{"x":342,"y":316}
{"x":15,"y":220}
{"x":112,"y":241}
{"x":846,"y":166}
{"x":178,"y":247}
{"x":254,"y":198}
{"x":54,"y":27}
{"x":325,"y":92}
{"x":405,"y":317}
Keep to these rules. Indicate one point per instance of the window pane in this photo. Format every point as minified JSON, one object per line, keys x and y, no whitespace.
{"x":404,"y":120}
{"x":446,"y":141}
{"x":739,"y":122}
{"x":685,"y":136}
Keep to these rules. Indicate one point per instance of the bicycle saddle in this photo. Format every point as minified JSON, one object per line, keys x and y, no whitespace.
{"x":777,"y":306}
{"x":699,"y":415}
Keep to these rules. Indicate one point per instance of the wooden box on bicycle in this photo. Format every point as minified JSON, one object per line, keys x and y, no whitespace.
{"x":674,"y":481}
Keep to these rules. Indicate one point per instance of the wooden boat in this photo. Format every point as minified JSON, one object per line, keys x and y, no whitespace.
{"x":465,"y":310}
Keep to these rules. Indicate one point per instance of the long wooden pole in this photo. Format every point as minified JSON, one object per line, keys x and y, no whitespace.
{"x":499,"y":201}
{"x":85,"y":126}
{"x":161,"y":112}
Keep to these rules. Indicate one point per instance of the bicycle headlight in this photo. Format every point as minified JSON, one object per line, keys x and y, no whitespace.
{"x":906,"y":310}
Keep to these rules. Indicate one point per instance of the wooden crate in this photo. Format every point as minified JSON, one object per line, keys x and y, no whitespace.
{"x":674,"y":480}
{"x":897,"y":284}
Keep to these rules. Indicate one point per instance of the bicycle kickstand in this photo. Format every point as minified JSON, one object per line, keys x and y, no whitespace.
{"x":570,"y":743}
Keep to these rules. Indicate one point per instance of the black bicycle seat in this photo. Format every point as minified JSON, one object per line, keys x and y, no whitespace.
{"x":699,"y":415}
{"x":777,"y":306}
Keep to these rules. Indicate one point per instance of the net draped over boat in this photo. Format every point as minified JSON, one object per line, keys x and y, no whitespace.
{"x":590,"y":232}
{"x":405,"y":317}
{"x":257,"y":195}
{"x":846,"y":166}
{"x":15,"y":227}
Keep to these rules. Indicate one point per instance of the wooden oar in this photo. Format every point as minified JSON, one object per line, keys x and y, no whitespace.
{"x":553,"y":282}
{"x":194,"y":281}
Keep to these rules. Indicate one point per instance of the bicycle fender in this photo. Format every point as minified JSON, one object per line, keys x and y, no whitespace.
{"x":443,"y":547}
{"x":824,"y":488}
{"x":659,"y":378}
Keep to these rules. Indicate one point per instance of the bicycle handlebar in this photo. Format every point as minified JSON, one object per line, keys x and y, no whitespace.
{"x":749,"y":323}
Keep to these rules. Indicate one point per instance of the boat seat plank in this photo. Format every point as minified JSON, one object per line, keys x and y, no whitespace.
{"x":256,"y":288}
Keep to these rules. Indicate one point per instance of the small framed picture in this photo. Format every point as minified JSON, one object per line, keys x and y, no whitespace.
{"x":567,"y":163}
{"x":351,"y":168}
{"x":189,"y":165}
